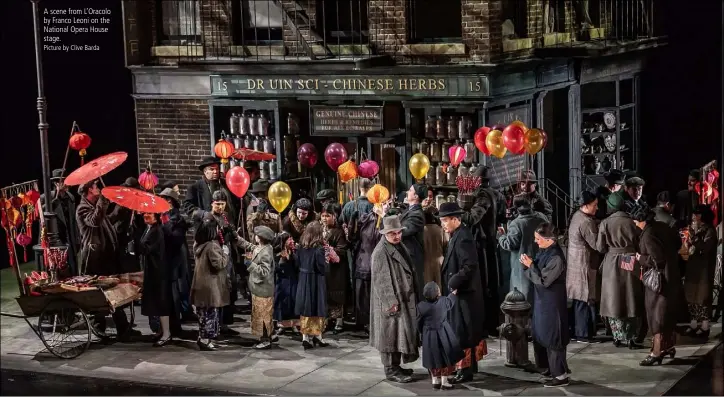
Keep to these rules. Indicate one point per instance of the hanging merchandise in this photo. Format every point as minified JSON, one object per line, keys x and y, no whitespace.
{"x":80,"y":141}
{"x":224,"y":149}
{"x":18,"y":213}
{"x":148,"y":180}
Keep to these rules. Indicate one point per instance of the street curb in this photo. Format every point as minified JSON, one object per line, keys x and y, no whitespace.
{"x":698,"y":363}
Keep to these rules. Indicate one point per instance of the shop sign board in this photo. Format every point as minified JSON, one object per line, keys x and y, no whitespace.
{"x":346,"y":120}
{"x":436,"y":86}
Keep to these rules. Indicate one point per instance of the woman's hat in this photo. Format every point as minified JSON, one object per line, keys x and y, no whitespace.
{"x":449,"y":209}
{"x":208,"y":161}
{"x":391,"y":224}
{"x":587,"y":198}
{"x":264,"y":232}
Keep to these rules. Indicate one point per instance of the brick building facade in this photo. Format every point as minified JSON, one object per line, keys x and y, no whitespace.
{"x":173,"y":52}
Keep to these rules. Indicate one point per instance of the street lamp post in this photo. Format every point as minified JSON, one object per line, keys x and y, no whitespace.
{"x":51,"y":224}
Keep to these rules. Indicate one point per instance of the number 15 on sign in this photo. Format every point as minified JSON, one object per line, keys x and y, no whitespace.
{"x":475,"y":86}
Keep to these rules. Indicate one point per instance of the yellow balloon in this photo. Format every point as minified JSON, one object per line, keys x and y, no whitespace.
{"x":419,"y":165}
{"x":280,"y":195}
{"x":534,"y":140}
{"x":520,"y":124}
{"x":494,"y":143}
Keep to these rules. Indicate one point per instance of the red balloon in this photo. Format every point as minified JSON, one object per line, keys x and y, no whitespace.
{"x":307,"y":155}
{"x":335,"y":154}
{"x":513,"y":138}
{"x":237,"y":181}
{"x":480,"y":136}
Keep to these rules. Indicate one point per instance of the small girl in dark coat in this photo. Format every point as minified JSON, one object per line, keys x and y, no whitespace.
{"x":311,"y":300}
{"x":440,"y":346}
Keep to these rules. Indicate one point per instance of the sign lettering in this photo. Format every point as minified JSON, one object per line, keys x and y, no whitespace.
{"x":346,"y":120}
{"x":435,"y":86}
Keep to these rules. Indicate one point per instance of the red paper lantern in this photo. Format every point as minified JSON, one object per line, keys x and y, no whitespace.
{"x":457,"y":155}
{"x":148,"y":180}
{"x":80,"y":141}
{"x":347,"y":171}
{"x":237,"y":181}
{"x":513,"y":138}
{"x":223,"y":150}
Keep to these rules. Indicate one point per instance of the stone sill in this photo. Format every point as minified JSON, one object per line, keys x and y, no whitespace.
{"x":553,"y":39}
{"x":258,"y":50}
{"x":456,"y":49}
{"x":594,"y":34}
{"x":512,"y":45}
{"x":341,"y":49}
{"x":170,"y":51}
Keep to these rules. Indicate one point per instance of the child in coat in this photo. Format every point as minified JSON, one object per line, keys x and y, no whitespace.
{"x":440,"y":346}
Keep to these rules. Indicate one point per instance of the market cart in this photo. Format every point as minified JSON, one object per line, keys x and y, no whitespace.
{"x":67,"y":320}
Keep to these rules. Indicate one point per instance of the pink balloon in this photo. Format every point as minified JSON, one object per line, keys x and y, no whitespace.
{"x":368,"y":169}
{"x":335,"y":154}
{"x":307,"y":155}
{"x":237,"y":181}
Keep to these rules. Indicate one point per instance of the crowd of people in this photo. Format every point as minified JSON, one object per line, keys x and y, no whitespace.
{"x":407,"y":273}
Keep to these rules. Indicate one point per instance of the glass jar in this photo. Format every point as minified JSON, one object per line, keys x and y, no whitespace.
{"x":440,"y":132}
{"x":238,"y":141}
{"x":253,"y":124}
{"x":264,"y":170}
{"x":269,"y":145}
{"x":259,"y":144}
{"x":263,"y":125}
{"x":248,"y":143}
{"x":430,"y":178}
{"x":452,"y":198}
{"x":452,"y":128}
{"x":446,"y":151}
{"x":430,"y":127}
{"x":435,"y":152}
{"x":471,"y":152}
{"x":425,"y":148}
{"x":292,"y":124}
{"x":465,"y":126}
{"x":273,"y":172}
{"x":244,"y":124}
{"x":234,"y":124}
{"x":452,"y":175}
{"x":439,"y":199}
{"x":472,"y":169}
{"x":290,"y":148}
{"x":463,"y":170}
{"x":440,"y":175}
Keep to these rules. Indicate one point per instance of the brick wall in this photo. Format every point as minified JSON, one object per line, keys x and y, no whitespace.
{"x":174,"y":136}
{"x":291,"y":38}
{"x":482,"y":32}
{"x":535,"y":18}
{"x":387,"y":25}
{"x":216,"y":26}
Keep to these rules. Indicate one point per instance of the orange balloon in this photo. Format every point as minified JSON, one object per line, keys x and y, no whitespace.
{"x":347,"y":171}
{"x":494,"y":143}
{"x":534,"y":141}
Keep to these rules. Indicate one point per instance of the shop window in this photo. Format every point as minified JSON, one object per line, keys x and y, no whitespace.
{"x":257,"y":21}
{"x":180,"y":22}
{"x":343,"y":21}
{"x":515,"y":19}
{"x":435,"y":21}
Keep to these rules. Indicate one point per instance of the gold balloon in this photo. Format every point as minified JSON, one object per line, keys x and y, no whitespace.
{"x":495,"y":145}
{"x":534,"y":141}
{"x":280,"y":195}
{"x":419,"y":165}
{"x":520,"y":124}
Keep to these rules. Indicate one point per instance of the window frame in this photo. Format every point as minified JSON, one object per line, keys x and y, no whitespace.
{"x":162,"y":38}
{"x":411,"y":12}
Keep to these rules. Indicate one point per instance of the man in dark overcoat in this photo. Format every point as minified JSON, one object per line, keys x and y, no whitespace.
{"x":614,"y":181}
{"x":486,"y":214}
{"x":468,"y":316}
{"x":630,"y":197}
{"x":413,"y":219}
{"x":198,"y":194}
{"x":393,"y":304}
{"x":177,"y":258}
{"x":62,"y":203}
{"x":99,"y":253}
{"x":129,"y":226}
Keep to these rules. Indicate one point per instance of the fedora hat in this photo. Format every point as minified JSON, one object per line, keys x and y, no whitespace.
{"x":449,"y":209}
{"x":260,"y":186}
{"x":170,"y":193}
{"x":391,"y":224}
{"x":527,"y":176}
{"x":57,"y":174}
{"x":207,"y":161}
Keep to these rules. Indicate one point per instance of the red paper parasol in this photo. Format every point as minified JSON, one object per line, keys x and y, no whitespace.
{"x":136,"y":200}
{"x":96,"y":168}
{"x":252,"y":155}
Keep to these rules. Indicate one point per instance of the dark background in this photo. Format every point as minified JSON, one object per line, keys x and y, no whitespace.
{"x":681,"y":96}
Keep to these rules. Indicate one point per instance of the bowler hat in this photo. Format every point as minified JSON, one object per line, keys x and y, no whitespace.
{"x":449,"y":209}
{"x":326,"y":194}
{"x":57,"y":174}
{"x":587,"y":198}
{"x":264,"y":232}
{"x":208,"y":161}
{"x":614,"y":177}
{"x":260,"y":186}
{"x":391,"y":224}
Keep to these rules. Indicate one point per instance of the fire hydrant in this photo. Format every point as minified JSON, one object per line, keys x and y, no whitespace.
{"x":515,"y":329}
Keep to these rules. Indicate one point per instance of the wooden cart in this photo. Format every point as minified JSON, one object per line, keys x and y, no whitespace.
{"x":67,"y":321}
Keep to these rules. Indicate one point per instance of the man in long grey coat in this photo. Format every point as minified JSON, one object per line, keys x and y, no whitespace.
{"x":582,"y":270}
{"x":393,"y":303}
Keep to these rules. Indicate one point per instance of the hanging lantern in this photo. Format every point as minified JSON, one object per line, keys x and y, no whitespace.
{"x":347,"y":171}
{"x":80,"y":141}
{"x":457,"y":155}
{"x":147,"y":179}
{"x":223,"y":150}
{"x":377,"y":195}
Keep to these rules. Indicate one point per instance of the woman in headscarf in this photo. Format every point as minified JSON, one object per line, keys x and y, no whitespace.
{"x":211,"y":284}
{"x":658,"y":249}
{"x":700,"y":268}
{"x":299,"y":217}
{"x":337,"y":271}
{"x":622,"y":300}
